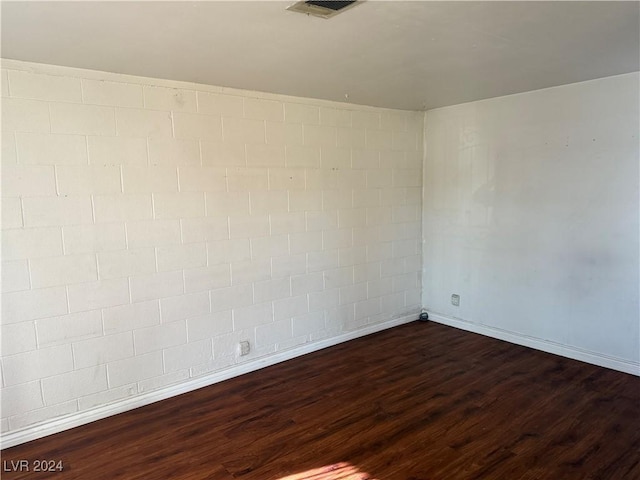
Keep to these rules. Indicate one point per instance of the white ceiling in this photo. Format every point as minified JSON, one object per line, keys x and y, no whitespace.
{"x":400,"y":54}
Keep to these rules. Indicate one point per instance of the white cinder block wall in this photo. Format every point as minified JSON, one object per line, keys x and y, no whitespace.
{"x":148,"y":226}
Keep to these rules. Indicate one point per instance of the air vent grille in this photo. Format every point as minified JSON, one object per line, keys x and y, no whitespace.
{"x":322,"y":9}
{"x":331,"y":5}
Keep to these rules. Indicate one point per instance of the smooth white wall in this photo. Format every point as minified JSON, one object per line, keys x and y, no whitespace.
{"x":148,"y":226}
{"x":530,"y":214}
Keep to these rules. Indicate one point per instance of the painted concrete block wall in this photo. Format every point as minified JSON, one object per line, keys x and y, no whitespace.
{"x":148,"y":226}
{"x":531,"y":216}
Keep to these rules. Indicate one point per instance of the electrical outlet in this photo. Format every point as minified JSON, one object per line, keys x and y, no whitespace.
{"x":244,"y":348}
{"x":455,"y":300}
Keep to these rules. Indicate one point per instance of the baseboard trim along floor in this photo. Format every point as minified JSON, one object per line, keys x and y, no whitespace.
{"x":539,"y":344}
{"x":40,"y":430}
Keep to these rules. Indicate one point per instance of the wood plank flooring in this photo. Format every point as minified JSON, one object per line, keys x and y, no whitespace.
{"x":418,"y":402}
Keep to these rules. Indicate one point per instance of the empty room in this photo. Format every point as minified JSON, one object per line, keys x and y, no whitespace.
{"x":267,"y":240}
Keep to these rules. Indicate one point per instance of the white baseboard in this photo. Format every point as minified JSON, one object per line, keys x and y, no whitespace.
{"x":57,"y":425}
{"x":545,"y":345}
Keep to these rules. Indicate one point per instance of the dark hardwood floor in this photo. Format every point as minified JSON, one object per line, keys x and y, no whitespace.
{"x":420,"y":401}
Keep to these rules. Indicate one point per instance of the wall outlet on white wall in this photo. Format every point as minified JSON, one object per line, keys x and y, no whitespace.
{"x":455,"y":300}
{"x":244,"y":348}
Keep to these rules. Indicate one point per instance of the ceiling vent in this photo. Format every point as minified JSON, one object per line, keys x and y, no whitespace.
{"x":326,"y":9}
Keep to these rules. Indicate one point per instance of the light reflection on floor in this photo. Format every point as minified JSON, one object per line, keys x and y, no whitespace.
{"x":336,"y":471}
